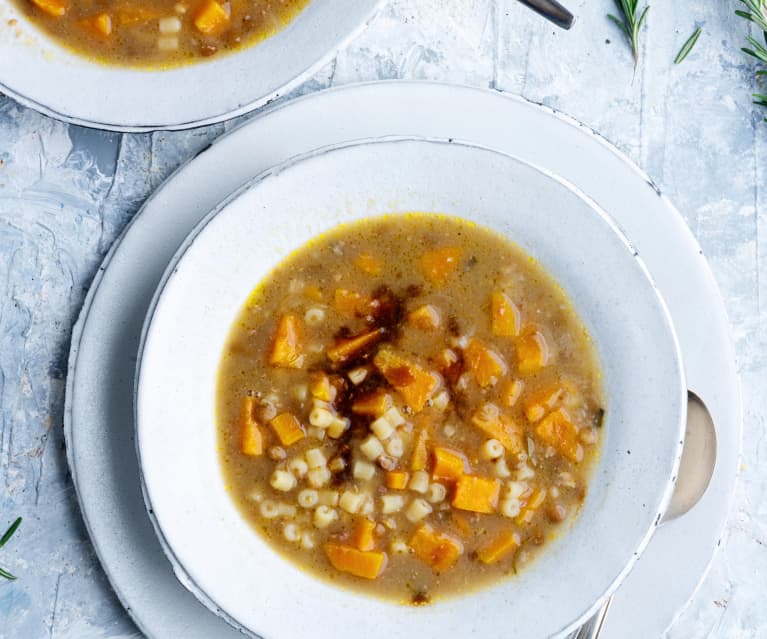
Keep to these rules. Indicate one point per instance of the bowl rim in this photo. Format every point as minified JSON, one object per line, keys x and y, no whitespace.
{"x":669,"y":482}
{"x":241,"y":107}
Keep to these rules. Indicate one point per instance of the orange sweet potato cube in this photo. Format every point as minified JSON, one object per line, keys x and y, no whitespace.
{"x":212,"y":17}
{"x":541,"y":402}
{"x":350,"y":303}
{"x":499,"y":547}
{"x":420,"y":453}
{"x":438,"y":550}
{"x":251,"y":437}
{"x":487,"y":365}
{"x":477,"y":494}
{"x":512,"y":392}
{"x":493,"y":422}
{"x":360,"y":563}
{"x":373,"y":404}
{"x":448,"y":465}
{"x":287,"y":350}
{"x":362,"y":537}
{"x":368,"y":263}
{"x":426,"y":317}
{"x":345,"y":349}
{"x":321,"y":388}
{"x":532,"y":352}
{"x":288,"y":428}
{"x":55,"y":8}
{"x":397,"y":479}
{"x":415,"y":383}
{"x":505,"y":315}
{"x":439,"y":264}
{"x":558,"y":431}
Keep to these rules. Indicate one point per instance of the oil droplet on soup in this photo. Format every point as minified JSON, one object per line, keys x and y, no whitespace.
{"x":409,"y":406}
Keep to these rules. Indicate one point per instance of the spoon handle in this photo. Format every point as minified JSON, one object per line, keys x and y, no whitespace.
{"x":551,"y":10}
{"x":593,"y":627}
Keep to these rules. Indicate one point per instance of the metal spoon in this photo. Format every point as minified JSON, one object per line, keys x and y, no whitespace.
{"x":551,"y":10}
{"x":695,"y":470}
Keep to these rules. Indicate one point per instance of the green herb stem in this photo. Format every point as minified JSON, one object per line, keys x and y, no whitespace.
{"x":630,"y":23}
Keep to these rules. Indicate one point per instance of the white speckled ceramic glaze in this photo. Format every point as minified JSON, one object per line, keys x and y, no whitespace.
{"x":229,"y":567}
{"x":40,"y":73}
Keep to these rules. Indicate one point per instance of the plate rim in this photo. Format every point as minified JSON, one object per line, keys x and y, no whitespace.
{"x":735,"y":408}
{"x":249,"y":106}
{"x":272,"y":172}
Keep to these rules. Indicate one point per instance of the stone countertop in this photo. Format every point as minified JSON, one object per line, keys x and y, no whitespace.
{"x":66,"y":192}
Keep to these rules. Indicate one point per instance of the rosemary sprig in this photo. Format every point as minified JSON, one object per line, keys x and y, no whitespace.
{"x":630,"y":23}
{"x":3,"y":540}
{"x":688,"y":46}
{"x":757,"y":13}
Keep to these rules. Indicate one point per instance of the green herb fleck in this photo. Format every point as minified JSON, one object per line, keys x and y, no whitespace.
{"x":3,"y":540}
{"x":688,"y":46}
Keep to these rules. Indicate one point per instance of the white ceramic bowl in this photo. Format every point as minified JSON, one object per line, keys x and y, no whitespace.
{"x":41,"y":74}
{"x":228,"y":566}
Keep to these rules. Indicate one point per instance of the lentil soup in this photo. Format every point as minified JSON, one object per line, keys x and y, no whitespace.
{"x":409,"y":406}
{"x":159,"y":32}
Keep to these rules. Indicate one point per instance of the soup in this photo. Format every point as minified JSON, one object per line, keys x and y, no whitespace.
{"x":409,"y":406}
{"x":159,"y":32}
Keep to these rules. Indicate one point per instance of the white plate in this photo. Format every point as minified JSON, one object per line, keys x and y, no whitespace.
{"x":38,"y":72}
{"x":98,"y":421}
{"x":215,"y":551}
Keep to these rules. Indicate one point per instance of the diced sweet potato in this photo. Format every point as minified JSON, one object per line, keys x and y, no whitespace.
{"x":426,"y":317}
{"x":321,"y":388}
{"x":211,"y":18}
{"x":448,"y":465}
{"x":505,"y":315}
{"x":439,"y":550}
{"x":439,"y":264}
{"x":362,"y":537}
{"x":531,"y":504}
{"x":55,"y":8}
{"x":129,"y":14}
{"x":368,"y":263}
{"x":532,"y":352}
{"x":288,"y":428}
{"x":512,"y":392}
{"x":287,"y":343}
{"x":487,"y":365}
{"x":351,"y":303}
{"x":373,"y":404}
{"x":397,"y":479}
{"x":344,"y":350}
{"x":498,"y":548}
{"x":420,"y":453}
{"x":251,"y":437}
{"x":368,"y":564}
{"x":492,"y":421}
{"x":100,"y":24}
{"x":541,"y":402}
{"x":313,"y":292}
{"x":558,"y":431}
{"x":412,"y":381}
{"x":477,"y":494}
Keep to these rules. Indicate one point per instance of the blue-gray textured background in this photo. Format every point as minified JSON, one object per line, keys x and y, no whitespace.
{"x":66,"y":192}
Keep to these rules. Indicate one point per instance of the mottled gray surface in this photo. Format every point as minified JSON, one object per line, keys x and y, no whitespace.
{"x":66,"y":192}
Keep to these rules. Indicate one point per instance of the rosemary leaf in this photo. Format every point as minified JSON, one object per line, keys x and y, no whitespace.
{"x":6,"y":575}
{"x":756,"y":13}
{"x":630,"y":23}
{"x":687,"y":46}
{"x":9,"y":533}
